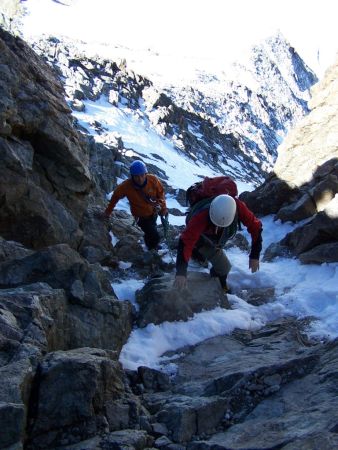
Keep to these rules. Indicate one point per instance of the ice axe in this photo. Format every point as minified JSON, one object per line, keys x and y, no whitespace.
{"x":165,"y":225}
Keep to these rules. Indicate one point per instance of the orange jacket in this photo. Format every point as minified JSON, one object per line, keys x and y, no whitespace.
{"x":142,"y":201}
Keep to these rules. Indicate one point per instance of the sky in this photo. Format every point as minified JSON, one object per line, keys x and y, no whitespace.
{"x":209,"y":29}
{"x":308,"y":290}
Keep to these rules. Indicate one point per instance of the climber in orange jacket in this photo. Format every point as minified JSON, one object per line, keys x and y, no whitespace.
{"x":146,"y":198}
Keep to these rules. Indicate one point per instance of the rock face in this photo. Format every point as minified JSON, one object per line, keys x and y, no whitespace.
{"x":88,"y":398}
{"x":304,"y":184}
{"x":313,"y":144}
{"x":51,"y":298}
{"x":44,"y":163}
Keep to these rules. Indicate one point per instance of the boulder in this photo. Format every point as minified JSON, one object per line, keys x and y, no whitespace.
{"x":324,"y":253}
{"x":160,"y":302}
{"x":80,"y":394}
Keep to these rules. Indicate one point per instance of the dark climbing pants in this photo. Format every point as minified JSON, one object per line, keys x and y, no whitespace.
{"x":220,"y":264}
{"x":149,"y":228}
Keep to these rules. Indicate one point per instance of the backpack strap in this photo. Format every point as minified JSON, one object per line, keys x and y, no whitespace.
{"x":145,"y":197}
{"x":197,"y":207}
{"x":228,"y":232}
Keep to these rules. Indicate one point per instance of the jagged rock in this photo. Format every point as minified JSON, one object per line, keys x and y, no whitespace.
{"x":153,"y":379}
{"x":80,"y":393}
{"x":15,"y":382}
{"x":43,"y":317}
{"x":324,"y":253}
{"x":297,"y":211}
{"x":45,"y":178}
{"x":304,"y":183}
{"x":312,"y":202}
{"x":12,"y":419}
{"x":159,"y":429}
{"x":37,"y":319}
{"x":106,"y":164}
{"x":270,"y":197}
{"x":206,"y":396}
{"x":240,"y":241}
{"x":27,"y":330}
{"x":163,"y":442}
{"x":274,"y":250}
{"x":255,"y":114}
{"x":129,"y":248}
{"x":128,"y":439}
{"x":160,"y":302}
{"x":96,"y":245}
{"x":12,"y":250}
{"x":257,"y":296}
{"x":59,"y":266}
{"x":50,"y":400}
{"x":322,"y":229}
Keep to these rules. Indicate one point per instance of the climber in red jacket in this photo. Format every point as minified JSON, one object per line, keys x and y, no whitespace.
{"x":208,"y":230}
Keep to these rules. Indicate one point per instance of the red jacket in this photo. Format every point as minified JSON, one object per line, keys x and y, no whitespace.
{"x":200,"y":224}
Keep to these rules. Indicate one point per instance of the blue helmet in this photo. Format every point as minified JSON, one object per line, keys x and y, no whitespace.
{"x":138,"y":168}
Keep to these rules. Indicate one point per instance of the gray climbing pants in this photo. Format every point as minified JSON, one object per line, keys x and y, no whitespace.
{"x":216,"y":256}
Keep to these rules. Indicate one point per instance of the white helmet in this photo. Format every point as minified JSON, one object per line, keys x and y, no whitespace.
{"x":222,"y":210}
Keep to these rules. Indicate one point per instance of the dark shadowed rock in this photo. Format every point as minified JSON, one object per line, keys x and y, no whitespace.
{"x":12,"y":250}
{"x":320,"y":254}
{"x":276,"y":249}
{"x":44,"y":162}
{"x":62,"y":268}
{"x":268,"y":198}
{"x":322,"y":229}
{"x":80,"y":394}
{"x":153,"y":379}
{"x":35,"y":320}
{"x":49,"y":321}
{"x":302,"y":209}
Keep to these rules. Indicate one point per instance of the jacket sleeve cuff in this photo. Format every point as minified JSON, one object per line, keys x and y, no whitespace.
{"x":181,"y":264}
{"x":256,"y":247}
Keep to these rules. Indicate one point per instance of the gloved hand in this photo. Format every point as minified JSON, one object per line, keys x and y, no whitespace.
{"x":180,"y":282}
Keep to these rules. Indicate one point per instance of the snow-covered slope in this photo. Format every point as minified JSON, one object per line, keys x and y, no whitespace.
{"x":249,"y":104}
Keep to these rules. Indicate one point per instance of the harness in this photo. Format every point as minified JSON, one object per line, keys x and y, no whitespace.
{"x":146,"y":197}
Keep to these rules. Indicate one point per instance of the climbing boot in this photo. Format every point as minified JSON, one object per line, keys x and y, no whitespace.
{"x":226,"y":289}
{"x":224,"y":284}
